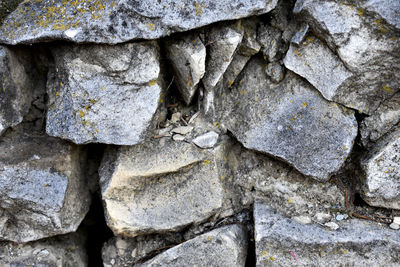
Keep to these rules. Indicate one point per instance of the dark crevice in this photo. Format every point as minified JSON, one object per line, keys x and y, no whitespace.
{"x":251,"y":247}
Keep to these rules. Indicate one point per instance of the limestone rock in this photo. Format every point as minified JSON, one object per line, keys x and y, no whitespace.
{"x":207,"y":140}
{"x":270,"y":39}
{"x":283,"y":242}
{"x":68,"y":250}
{"x":225,"y":246}
{"x":112,"y":21}
{"x":381,"y":186}
{"x":104,"y":94}
{"x":275,"y":71}
{"x":289,"y":120}
{"x":188,"y":57}
{"x":42,"y":188}
{"x":319,"y":65}
{"x":15,"y":87}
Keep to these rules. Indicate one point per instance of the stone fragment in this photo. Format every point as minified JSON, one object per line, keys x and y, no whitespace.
{"x":183,"y":130}
{"x":188,"y":57}
{"x":319,"y":65}
{"x":299,"y":36}
{"x":207,"y":140}
{"x":104,"y":94}
{"x":332,"y":226}
{"x":114,"y":22}
{"x":67,"y":250}
{"x":270,"y":39}
{"x":396,"y":220}
{"x":43,"y":191}
{"x":178,"y":137}
{"x":281,"y":241}
{"x":249,"y":46}
{"x":15,"y":87}
{"x":394,"y":226}
{"x":387,"y":9}
{"x":322,"y":217}
{"x":381,"y":186}
{"x":225,"y":246}
{"x":302,"y":219}
{"x":287,"y":120}
{"x":275,"y":72}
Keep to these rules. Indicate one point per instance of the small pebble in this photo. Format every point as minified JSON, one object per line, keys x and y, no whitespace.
{"x":322,"y":217}
{"x":394,"y":226}
{"x":207,"y":140}
{"x":178,"y":137}
{"x":339,"y":217}
{"x":396,"y":220}
{"x":333,"y":226}
{"x":182,"y":130}
{"x":302,"y":219}
{"x":175,"y":117}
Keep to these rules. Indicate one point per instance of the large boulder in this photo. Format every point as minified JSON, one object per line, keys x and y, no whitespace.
{"x":104,"y":94}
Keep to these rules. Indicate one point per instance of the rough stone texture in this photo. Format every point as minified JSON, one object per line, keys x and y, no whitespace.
{"x":207,"y":140}
{"x":104,"y":94}
{"x":366,"y":43}
{"x":275,"y":71}
{"x":15,"y":87}
{"x":270,"y":39}
{"x":68,"y":251}
{"x":289,"y":120}
{"x":281,"y":241}
{"x":381,"y":186}
{"x":188,"y":57}
{"x":318,"y":64}
{"x":112,"y":21}
{"x":42,"y":188}
{"x":225,"y":246}
{"x":162,"y":186}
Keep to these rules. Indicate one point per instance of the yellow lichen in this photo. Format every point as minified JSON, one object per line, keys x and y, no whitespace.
{"x":206,"y":162}
{"x":87,"y":107}
{"x":230,"y":83}
{"x":290,"y":200}
{"x":151,"y":26}
{"x":153,"y":82}
{"x":242,"y":92}
{"x":81,"y":113}
{"x":61,"y":84}
{"x":387,"y":89}
{"x":360,"y":11}
{"x":272,"y":258}
{"x":199,"y":9}
{"x":92,"y":101}
{"x":4,"y":89}
{"x":103,"y":88}
{"x":304,"y":104}
{"x":264,"y":253}
{"x":297,"y":53}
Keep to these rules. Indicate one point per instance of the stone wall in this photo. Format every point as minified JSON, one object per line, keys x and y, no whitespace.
{"x":200,"y":133}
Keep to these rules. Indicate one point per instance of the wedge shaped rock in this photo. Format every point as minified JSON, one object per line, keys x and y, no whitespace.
{"x":104,"y":94}
{"x":289,"y":120}
{"x":42,"y":188}
{"x":112,"y":21}
{"x":282,"y":241}
{"x":225,"y":246}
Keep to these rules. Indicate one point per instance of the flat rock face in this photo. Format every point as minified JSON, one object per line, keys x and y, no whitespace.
{"x":42,"y":188}
{"x":289,"y":120}
{"x":225,"y":246}
{"x":15,"y":87}
{"x":68,"y":250}
{"x":381,"y":186}
{"x":283,"y":242}
{"x":111,"y":21}
{"x":104,"y":94}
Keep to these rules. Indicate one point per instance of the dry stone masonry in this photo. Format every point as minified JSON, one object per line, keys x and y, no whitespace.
{"x":199,"y":133}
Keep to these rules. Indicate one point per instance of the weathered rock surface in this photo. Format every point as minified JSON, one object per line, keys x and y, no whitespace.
{"x":68,"y":250}
{"x":42,"y":188}
{"x":207,"y":140}
{"x":225,"y":246}
{"x":104,"y":94}
{"x":381,"y":186}
{"x":188,"y":57}
{"x":270,"y":39}
{"x":281,"y":241}
{"x":15,"y":88}
{"x":112,"y":21}
{"x":289,"y":120}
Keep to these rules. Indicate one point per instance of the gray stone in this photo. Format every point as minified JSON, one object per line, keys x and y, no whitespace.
{"x":387,"y":9}
{"x":319,"y":65}
{"x":183,"y":130}
{"x":225,"y":246}
{"x":207,"y":140}
{"x":287,"y":120}
{"x":332,"y":226}
{"x":42,"y":188}
{"x":381,"y":185}
{"x":104,"y":94}
{"x":15,"y":87}
{"x":249,"y":46}
{"x":178,"y":137}
{"x":394,"y":226}
{"x":396,"y":220}
{"x":281,"y":241}
{"x":270,"y":39}
{"x":299,"y":36}
{"x":112,"y":21}
{"x":275,"y":72}
{"x":67,"y":250}
{"x":188,"y":57}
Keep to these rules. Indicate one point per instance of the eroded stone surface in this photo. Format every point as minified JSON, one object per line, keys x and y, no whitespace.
{"x":282,"y":241}
{"x":42,"y":188}
{"x":104,"y":94}
{"x":112,"y":21}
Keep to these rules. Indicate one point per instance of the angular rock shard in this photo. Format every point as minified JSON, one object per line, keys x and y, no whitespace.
{"x":42,"y":188}
{"x":104,"y":94}
{"x":281,"y":241}
{"x":112,"y":21}
{"x":381,"y":186}
{"x":289,"y":120}
{"x":225,"y":246}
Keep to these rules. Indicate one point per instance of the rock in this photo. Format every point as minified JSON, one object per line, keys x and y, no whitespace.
{"x":299,"y":36}
{"x":332,"y":226}
{"x":287,"y":120}
{"x":322,"y":217}
{"x":43,"y":191}
{"x":67,"y":250}
{"x":119,"y":21}
{"x":16,"y":87}
{"x":249,"y":46}
{"x":188,"y":57}
{"x":365,"y":41}
{"x":104,"y":94}
{"x":176,"y":117}
{"x":339,"y":217}
{"x":183,"y":130}
{"x":207,"y":140}
{"x":396,"y":220}
{"x":387,"y":9}
{"x":319,"y":65}
{"x":275,"y":72}
{"x":302,"y":219}
{"x":178,"y":137}
{"x":270,"y":39}
{"x":394,"y":226}
{"x":281,"y":241}
{"x":225,"y":246}
{"x":381,"y":186}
